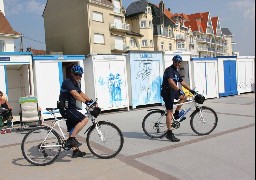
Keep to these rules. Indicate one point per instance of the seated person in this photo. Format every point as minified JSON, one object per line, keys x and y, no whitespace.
{"x":5,"y":116}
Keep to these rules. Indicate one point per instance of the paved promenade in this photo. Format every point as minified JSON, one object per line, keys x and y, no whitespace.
{"x":227,"y":153}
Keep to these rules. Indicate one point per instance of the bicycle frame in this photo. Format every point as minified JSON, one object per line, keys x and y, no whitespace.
{"x":193,"y":104}
{"x":57,"y":122}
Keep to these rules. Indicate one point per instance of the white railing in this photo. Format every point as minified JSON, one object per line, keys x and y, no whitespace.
{"x":120,"y":47}
{"x":120,"y":26}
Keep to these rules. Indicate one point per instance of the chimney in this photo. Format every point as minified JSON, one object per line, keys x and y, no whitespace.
{"x":169,"y":9}
{"x":161,"y":9}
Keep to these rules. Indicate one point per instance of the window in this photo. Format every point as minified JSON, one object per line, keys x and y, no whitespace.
{"x":162,"y":46}
{"x":117,"y":6}
{"x":151,"y":43}
{"x":144,"y":43}
{"x":99,"y":39}
{"x":180,"y":45}
{"x":148,"y":10}
{"x":143,"y":24}
{"x":149,"y":24}
{"x":170,"y":46}
{"x":169,"y":33}
{"x":96,"y":16}
{"x":133,"y":42}
{"x":1,"y":46}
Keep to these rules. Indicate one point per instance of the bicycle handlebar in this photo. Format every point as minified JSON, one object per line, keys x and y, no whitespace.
{"x":93,"y":103}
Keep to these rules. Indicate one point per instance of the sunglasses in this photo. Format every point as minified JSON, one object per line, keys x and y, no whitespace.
{"x":76,"y":74}
{"x":177,"y":62}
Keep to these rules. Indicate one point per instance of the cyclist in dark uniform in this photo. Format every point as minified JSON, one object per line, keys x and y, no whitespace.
{"x":171,"y":91}
{"x":70,"y":92}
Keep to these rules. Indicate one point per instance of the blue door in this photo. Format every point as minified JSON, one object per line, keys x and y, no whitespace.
{"x":230,"y":82}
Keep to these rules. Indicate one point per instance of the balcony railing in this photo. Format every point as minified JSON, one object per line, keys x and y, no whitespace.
{"x":117,"y":10}
{"x":120,"y":26}
{"x":211,"y":49}
{"x":120,"y":47}
{"x":202,"y":40}
{"x":180,"y":37}
{"x":202,"y":49}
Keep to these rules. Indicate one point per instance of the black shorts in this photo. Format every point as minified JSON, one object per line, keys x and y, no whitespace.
{"x":169,"y":100}
{"x":73,"y":117}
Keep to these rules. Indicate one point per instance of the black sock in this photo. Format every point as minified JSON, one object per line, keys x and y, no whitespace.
{"x":176,"y":112}
{"x":169,"y":131}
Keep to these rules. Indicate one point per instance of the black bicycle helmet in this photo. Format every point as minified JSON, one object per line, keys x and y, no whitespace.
{"x":177,"y":58}
{"x":77,"y":69}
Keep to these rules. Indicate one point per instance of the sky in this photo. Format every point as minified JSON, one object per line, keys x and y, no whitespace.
{"x":238,"y":15}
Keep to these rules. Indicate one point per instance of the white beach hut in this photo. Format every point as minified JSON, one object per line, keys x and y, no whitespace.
{"x":49,"y":73}
{"x":16,"y":77}
{"x":245,"y":74}
{"x":106,"y":79}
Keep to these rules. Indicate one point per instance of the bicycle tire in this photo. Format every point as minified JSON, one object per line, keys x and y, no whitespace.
{"x":32,"y":150}
{"x":206,"y":125}
{"x":154,"y":124}
{"x":110,"y":146}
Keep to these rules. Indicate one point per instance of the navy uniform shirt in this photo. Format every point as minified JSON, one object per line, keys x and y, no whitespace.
{"x":67,"y":86}
{"x":171,"y":72}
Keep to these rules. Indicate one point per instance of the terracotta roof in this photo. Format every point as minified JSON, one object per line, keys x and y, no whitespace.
{"x":195,"y":23}
{"x":214,"y":24}
{"x":36,"y":52}
{"x":5,"y":27}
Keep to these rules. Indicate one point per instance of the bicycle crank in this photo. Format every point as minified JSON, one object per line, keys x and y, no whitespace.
{"x":176,"y":124}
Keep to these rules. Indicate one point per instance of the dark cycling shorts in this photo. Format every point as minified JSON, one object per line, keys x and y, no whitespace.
{"x":73,"y":117}
{"x":169,"y":100}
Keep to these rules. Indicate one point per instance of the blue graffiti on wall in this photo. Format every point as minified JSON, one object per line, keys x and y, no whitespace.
{"x":113,"y":83}
{"x":145,"y":69}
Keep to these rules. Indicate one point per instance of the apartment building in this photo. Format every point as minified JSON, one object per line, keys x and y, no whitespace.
{"x":197,"y":33}
{"x":105,"y":27}
{"x":85,"y":27}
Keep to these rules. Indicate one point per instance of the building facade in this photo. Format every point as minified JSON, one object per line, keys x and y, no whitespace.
{"x":105,"y":27}
{"x":7,"y":34}
{"x":85,"y":26}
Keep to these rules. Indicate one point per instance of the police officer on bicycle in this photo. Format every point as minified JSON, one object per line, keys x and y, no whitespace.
{"x":171,"y":91}
{"x":69,"y":94}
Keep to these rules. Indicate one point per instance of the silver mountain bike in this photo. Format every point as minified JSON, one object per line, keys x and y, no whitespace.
{"x":203,"y":119}
{"x":42,"y":146}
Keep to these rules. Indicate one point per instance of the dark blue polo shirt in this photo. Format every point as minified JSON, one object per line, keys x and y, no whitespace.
{"x":171,"y":72}
{"x":67,"y":86}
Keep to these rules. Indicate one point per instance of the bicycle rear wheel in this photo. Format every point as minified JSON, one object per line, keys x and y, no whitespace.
{"x":203,"y":120}
{"x":41,"y":147}
{"x":154,"y":124}
{"x":106,"y":142}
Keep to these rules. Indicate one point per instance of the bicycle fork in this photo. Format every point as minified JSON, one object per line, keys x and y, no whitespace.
{"x":97,"y":126}
{"x":201,"y":115}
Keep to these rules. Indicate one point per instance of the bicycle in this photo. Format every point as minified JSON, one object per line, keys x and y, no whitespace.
{"x":203,"y":119}
{"x":42,"y":146}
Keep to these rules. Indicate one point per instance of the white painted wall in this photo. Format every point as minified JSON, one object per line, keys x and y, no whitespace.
{"x":9,"y":44}
{"x":14,"y":77}
{"x":106,"y":79}
{"x":2,"y":6}
{"x":245,"y":74}
{"x":205,"y":77}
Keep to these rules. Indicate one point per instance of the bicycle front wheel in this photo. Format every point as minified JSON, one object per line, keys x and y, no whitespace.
{"x":41,"y":146}
{"x":105,"y":140}
{"x":203,"y":120}
{"x":154,"y":124}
